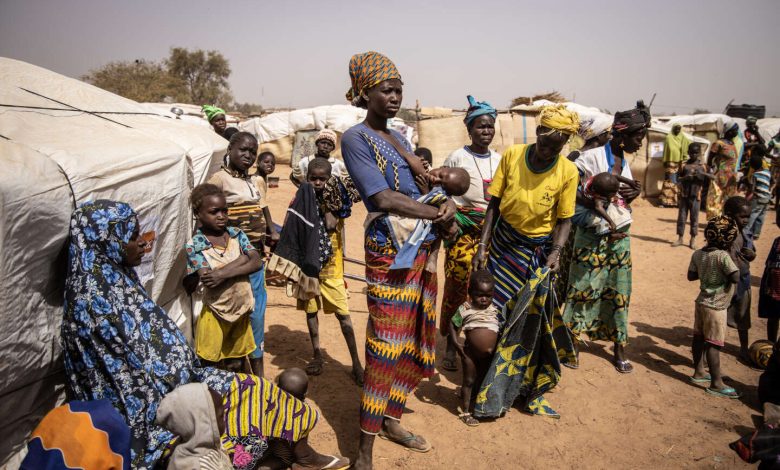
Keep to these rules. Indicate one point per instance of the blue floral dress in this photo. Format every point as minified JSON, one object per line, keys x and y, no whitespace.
{"x":118,"y":344}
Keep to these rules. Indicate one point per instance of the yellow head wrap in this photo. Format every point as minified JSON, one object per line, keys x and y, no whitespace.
{"x":559,"y":118}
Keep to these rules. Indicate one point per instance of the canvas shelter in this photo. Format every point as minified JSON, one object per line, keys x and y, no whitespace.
{"x":63,"y":142}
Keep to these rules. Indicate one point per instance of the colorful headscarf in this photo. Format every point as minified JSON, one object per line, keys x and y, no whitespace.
{"x":367,"y":70}
{"x":89,"y":435}
{"x":593,"y":125}
{"x":721,"y":232}
{"x":326,"y":134}
{"x":478,"y":108}
{"x":729,"y":125}
{"x":212,"y":111}
{"x":627,"y":122}
{"x":560,"y":118}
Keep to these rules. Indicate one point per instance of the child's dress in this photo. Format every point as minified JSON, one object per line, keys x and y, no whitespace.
{"x":769,"y":297}
{"x":223,"y":330}
{"x":470,"y":318}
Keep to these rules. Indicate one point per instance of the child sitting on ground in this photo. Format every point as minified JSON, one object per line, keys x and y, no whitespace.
{"x":693,"y":176}
{"x":220,"y":259}
{"x":195,"y":414}
{"x":333,"y":291}
{"x":718,"y":274}
{"x":605,"y":217}
{"x":478,"y":318}
{"x":742,"y":252}
{"x":280,"y":451}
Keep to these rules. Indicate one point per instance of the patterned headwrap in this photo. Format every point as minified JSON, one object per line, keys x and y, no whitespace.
{"x":721,"y":232}
{"x":560,"y":118}
{"x":369,"y":69}
{"x":593,"y":125}
{"x":326,"y":134}
{"x":729,"y":125}
{"x":478,"y":108}
{"x":212,"y":111}
{"x":627,"y":122}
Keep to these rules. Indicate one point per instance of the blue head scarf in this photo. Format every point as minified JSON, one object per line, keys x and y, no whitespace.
{"x":478,"y":108}
{"x":118,"y":344}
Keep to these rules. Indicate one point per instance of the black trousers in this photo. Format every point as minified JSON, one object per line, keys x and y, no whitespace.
{"x":688,"y":207}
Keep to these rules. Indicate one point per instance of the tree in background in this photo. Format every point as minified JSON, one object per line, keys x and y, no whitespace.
{"x":247,"y":109}
{"x":204,"y":75}
{"x":138,"y":80}
{"x":197,"y":77}
{"x":700,"y":111}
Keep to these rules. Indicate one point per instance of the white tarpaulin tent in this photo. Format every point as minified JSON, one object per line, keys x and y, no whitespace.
{"x":63,"y":142}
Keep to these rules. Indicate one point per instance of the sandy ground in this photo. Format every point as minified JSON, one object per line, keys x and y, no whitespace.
{"x":653,"y":418}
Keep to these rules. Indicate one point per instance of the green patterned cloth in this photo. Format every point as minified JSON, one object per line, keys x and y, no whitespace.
{"x":599,"y":287}
{"x":534,"y":343}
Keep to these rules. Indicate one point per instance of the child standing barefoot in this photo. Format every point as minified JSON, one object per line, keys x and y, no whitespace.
{"x":221,"y":258}
{"x":479,"y":320}
{"x":692,"y":178}
{"x":717,"y":274}
{"x":333,"y":291}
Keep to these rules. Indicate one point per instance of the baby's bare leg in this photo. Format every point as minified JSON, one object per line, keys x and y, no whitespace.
{"x":601,"y":211}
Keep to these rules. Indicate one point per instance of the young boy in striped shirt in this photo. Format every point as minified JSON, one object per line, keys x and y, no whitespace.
{"x":760,"y":195}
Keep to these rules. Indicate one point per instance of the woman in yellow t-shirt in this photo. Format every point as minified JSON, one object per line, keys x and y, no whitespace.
{"x":526,"y":224}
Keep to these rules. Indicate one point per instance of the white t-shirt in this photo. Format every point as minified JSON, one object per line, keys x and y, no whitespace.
{"x":594,"y":161}
{"x":337,"y":167}
{"x":481,"y":168}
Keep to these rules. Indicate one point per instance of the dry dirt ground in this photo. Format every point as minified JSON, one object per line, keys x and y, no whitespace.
{"x":653,"y":418}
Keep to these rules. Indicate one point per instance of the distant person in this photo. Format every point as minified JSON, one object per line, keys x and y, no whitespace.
{"x":753,"y":140}
{"x":675,"y":150}
{"x":478,"y":318}
{"x":325,"y":144}
{"x":229,"y":132}
{"x":717,"y":274}
{"x":425,"y":154}
{"x":692,"y":178}
{"x":481,"y":163}
{"x":216,"y":117}
{"x":266,"y":164}
{"x":773,"y":150}
{"x":723,"y":160}
{"x":742,"y":252}
{"x":759,"y":190}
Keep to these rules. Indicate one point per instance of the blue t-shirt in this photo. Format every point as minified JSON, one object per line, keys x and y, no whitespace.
{"x":362,"y":164}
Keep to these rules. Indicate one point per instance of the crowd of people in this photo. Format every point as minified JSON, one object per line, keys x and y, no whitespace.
{"x":537,"y":253}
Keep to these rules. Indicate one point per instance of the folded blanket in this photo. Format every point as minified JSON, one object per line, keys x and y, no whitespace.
{"x":298,"y":255}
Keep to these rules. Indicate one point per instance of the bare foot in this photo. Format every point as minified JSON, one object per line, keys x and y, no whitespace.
{"x":363,"y":462}
{"x":678,"y":242}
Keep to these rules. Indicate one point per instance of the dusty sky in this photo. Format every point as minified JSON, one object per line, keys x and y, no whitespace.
{"x":605,"y":53}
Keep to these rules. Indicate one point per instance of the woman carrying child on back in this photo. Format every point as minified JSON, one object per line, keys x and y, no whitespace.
{"x":478,"y":318}
{"x":221,"y":258}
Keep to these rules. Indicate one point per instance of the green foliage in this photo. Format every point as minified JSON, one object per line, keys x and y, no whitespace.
{"x":139,"y":80}
{"x":701,"y":111}
{"x":197,"y":77}
{"x":247,"y":109}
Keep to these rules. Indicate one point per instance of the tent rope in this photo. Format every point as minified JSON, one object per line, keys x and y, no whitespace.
{"x":75,"y":108}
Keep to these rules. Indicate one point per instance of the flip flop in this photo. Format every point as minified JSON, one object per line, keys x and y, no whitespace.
{"x":728,"y":392}
{"x":701,"y":380}
{"x":314,"y":367}
{"x":624,"y":366}
{"x":336,"y":463}
{"x":405,"y":441}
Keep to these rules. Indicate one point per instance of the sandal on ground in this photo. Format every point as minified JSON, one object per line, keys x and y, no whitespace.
{"x":314,"y":367}
{"x":624,"y":366}
{"x":467,"y":418}
{"x":336,"y":463}
{"x":406,"y":441}
{"x":700,"y":380}
{"x":449,"y":364}
{"x":728,"y":392}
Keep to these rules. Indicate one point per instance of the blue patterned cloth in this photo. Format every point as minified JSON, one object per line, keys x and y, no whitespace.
{"x":118,"y":344}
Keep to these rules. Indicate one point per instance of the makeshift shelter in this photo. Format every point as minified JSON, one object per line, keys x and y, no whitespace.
{"x":709,"y":126}
{"x":63,"y":142}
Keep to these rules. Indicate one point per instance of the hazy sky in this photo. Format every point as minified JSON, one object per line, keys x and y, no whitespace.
{"x":607,"y":53}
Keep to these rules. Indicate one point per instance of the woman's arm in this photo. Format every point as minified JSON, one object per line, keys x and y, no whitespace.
{"x":245,"y":264}
{"x":399,"y":204}
{"x":559,"y":238}
{"x":270,"y":228}
{"x":492,"y":214}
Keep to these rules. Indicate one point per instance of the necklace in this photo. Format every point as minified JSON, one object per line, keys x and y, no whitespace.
{"x":474,"y":156}
{"x":225,"y":237}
